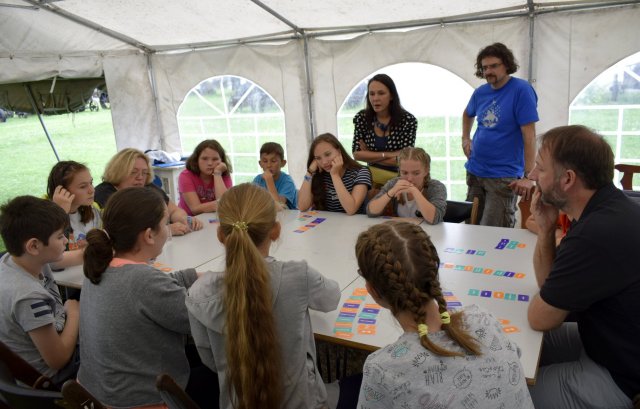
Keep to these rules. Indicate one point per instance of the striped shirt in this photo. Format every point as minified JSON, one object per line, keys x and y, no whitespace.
{"x":351,"y":178}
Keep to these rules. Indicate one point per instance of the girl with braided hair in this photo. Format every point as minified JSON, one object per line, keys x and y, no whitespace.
{"x":443,"y":359}
{"x":251,"y":322}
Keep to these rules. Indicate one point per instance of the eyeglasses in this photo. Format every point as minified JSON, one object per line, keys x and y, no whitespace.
{"x":492,"y":67}
{"x":136,"y":173}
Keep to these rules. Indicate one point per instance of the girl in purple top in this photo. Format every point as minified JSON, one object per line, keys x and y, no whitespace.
{"x":205,"y":179}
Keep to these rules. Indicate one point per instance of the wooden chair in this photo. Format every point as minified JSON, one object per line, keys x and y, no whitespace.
{"x":24,"y":397}
{"x":525,"y":208}
{"x":627,"y":174}
{"x":458,"y":212}
{"x":172,"y":394}
{"x":77,"y":397}
{"x":22,"y":371}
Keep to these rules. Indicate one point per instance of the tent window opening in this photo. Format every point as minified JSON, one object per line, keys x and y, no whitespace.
{"x":436,"y":97}
{"x":236,"y":112}
{"x":610,"y":104}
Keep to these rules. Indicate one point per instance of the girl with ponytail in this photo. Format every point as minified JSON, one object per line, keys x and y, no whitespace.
{"x":136,"y":320}
{"x":443,"y":359}
{"x":251,"y":322}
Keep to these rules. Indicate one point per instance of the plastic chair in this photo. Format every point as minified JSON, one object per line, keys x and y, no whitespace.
{"x":458,"y":212}
{"x":172,"y":394}
{"x":77,"y":397}
{"x":627,"y":174}
{"x":24,"y":397}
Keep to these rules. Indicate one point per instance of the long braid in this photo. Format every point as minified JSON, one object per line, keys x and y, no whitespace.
{"x":401,"y":264}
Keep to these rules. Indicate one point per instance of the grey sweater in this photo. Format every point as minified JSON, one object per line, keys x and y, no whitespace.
{"x":435,"y":192}
{"x":132,"y":328}
{"x":296,"y":287}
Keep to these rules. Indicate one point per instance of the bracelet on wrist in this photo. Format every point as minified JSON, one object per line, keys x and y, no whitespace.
{"x":388,"y":195}
{"x":308,"y":178}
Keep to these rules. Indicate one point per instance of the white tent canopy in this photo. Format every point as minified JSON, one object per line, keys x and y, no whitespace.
{"x":307,"y":55}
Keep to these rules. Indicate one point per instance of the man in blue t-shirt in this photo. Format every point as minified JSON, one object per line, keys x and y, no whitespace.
{"x":502,"y":152}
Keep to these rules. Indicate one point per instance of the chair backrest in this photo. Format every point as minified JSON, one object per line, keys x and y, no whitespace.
{"x":633,"y":195}
{"x":458,"y":212}
{"x":77,"y":397}
{"x":172,"y":394}
{"x":24,"y":397}
{"x":627,"y":174}
{"x":525,"y":208}
{"x":23,"y":371}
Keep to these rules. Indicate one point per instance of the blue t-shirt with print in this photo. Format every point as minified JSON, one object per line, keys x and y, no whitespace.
{"x":284,"y":186}
{"x":498,"y":148}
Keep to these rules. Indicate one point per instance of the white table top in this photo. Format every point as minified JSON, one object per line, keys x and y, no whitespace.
{"x":471,"y":267}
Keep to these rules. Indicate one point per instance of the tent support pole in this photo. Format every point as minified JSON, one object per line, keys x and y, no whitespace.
{"x":310,"y":105}
{"x":154,"y":92}
{"x":32,"y":101}
{"x":532,"y":22}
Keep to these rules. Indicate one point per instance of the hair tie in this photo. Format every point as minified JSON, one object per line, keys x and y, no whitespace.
{"x":423,"y":330}
{"x":445,"y":317}
{"x":240,"y":225}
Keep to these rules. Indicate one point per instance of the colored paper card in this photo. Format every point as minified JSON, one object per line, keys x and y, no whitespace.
{"x":352,"y":310}
{"x":360,"y":291}
{"x":523,"y":297}
{"x":366,"y":321}
{"x":310,"y":225}
{"x":376,"y":306}
{"x":471,"y":252}
{"x":358,"y":297}
{"x":298,"y":231}
{"x":365,"y":329}
{"x":485,"y":293}
{"x":345,"y":329}
{"x":454,"y":304}
{"x":365,"y":315}
{"x":371,"y":310}
{"x":510,"y":329}
{"x":521,"y":245}
{"x":343,"y":325}
{"x":350,"y":305}
{"x":473,"y":291}
{"x":481,"y":253}
{"x":509,"y":274}
{"x":347,"y":314}
{"x":448,"y":265}
{"x":346,"y":335}
{"x":318,"y":220}
{"x":352,"y":300}
{"x":520,"y":275}
{"x":345,"y":319}
{"x":509,"y":297}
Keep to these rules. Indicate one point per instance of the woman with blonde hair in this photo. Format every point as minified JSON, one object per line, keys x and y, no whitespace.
{"x":443,"y":359}
{"x":131,"y":168}
{"x":251,"y":322}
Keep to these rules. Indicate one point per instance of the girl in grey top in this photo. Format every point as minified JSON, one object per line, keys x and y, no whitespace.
{"x":251,"y":322}
{"x":443,"y":360}
{"x":135,"y":322}
{"x":414,"y":193}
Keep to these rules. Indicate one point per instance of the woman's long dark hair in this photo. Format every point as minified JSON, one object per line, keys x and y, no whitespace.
{"x":317,"y":186}
{"x":395,"y":108}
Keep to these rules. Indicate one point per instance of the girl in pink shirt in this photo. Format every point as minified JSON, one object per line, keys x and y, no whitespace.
{"x":205,"y":179}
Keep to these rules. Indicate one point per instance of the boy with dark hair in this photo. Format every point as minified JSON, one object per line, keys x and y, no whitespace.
{"x":278,"y":183}
{"x":34,"y":323}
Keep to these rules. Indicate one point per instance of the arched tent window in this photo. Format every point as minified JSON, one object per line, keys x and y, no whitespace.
{"x":236,"y":112}
{"x":437,"y":98}
{"x":610,"y":104}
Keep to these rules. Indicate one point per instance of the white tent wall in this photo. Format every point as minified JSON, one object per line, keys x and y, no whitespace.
{"x":340,"y":65}
{"x":572,"y":49}
{"x":133,"y":109}
{"x":278,"y":69}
